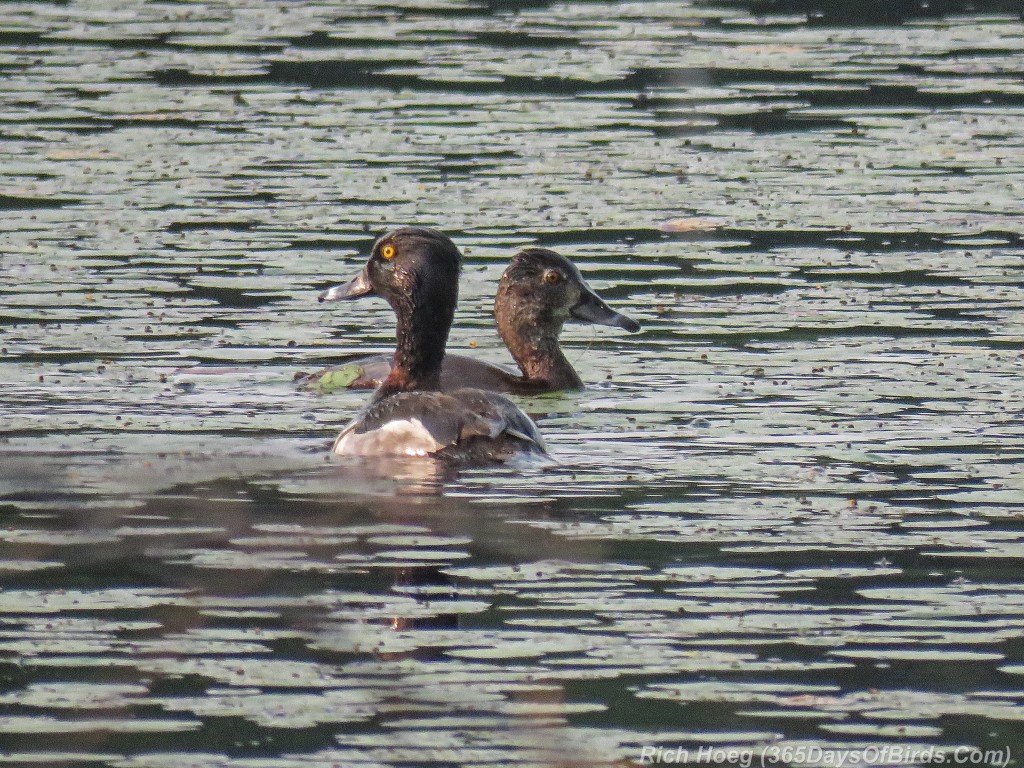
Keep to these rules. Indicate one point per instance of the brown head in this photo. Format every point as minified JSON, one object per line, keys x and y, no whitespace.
{"x":539,"y":291}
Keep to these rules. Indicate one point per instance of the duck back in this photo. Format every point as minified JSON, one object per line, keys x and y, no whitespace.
{"x":465,"y":425}
{"x":457,"y":372}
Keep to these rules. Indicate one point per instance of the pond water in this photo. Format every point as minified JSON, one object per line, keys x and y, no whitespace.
{"x":787,"y":514}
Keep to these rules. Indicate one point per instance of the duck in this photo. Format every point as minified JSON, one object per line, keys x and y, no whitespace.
{"x":538,"y":292}
{"x":416,"y":270}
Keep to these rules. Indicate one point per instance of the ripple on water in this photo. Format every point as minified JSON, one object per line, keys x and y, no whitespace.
{"x":787,"y":513}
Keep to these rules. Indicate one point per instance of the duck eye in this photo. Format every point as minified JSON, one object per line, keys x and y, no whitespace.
{"x":388,"y":251}
{"x":552,"y":277}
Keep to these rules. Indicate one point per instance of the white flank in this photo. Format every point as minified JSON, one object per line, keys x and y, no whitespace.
{"x":395,"y":438}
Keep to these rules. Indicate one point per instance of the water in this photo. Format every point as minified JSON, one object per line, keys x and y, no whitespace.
{"x":787,"y":514}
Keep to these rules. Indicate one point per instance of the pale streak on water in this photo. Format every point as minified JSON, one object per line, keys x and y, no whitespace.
{"x":787,"y":514}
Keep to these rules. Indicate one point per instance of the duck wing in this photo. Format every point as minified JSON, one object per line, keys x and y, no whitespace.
{"x":495,"y":415}
{"x":426,"y":423}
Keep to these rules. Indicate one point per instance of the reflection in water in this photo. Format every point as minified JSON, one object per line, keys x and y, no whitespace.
{"x":786,"y":513}
{"x":225,"y":605}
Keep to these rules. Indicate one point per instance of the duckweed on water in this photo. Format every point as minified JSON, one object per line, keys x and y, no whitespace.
{"x":786,"y":513}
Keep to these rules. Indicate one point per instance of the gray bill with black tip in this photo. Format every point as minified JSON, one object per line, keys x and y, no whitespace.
{"x":591,"y":309}
{"x":353,"y":289}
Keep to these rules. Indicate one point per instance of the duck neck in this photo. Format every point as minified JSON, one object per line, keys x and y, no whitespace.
{"x":420,"y":337}
{"x":533,"y":342}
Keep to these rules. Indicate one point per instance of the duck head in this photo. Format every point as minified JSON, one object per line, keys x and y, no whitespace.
{"x":539,"y":291}
{"x":548,"y":289}
{"x":416,"y":270}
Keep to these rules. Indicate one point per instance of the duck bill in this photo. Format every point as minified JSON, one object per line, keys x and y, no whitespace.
{"x":591,"y":309}
{"x":353,"y":289}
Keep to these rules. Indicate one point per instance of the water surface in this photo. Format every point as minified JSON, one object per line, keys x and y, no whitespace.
{"x":788,"y":513}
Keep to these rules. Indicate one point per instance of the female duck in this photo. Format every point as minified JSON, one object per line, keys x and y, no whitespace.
{"x":538,"y":292}
{"x":416,"y":270}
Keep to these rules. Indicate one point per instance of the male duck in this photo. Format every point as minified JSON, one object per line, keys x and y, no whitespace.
{"x":416,"y":270}
{"x":537,"y":293}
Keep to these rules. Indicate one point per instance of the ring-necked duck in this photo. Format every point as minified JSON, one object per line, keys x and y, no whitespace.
{"x":416,"y":270}
{"x":537,"y":293}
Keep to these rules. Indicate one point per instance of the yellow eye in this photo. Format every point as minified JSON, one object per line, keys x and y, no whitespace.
{"x":388,"y":251}
{"x":552,"y":277}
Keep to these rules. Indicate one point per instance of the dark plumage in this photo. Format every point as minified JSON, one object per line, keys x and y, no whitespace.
{"x":538,"y":292}
{"x":416,"y":271}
